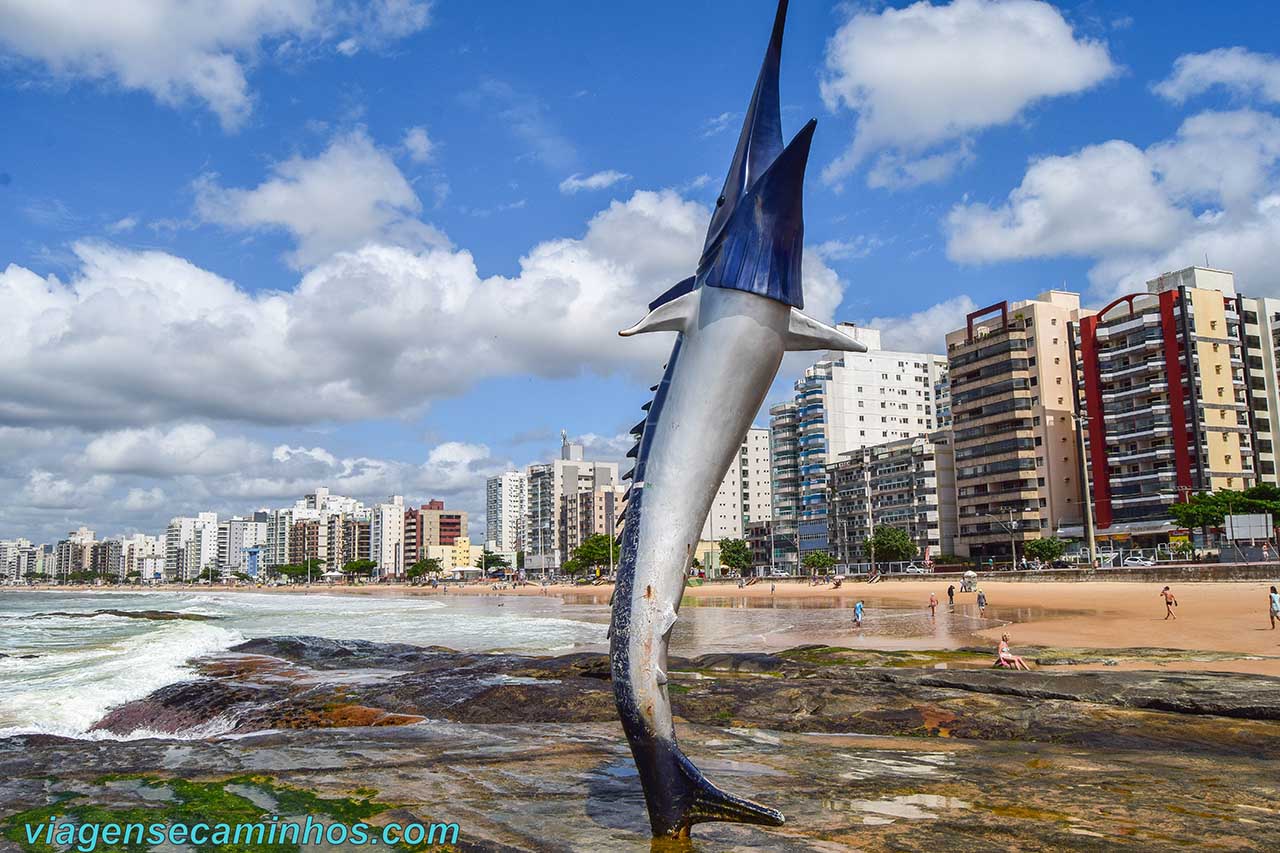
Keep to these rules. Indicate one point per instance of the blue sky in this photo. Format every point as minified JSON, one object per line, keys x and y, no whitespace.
{"x":386,"y":245}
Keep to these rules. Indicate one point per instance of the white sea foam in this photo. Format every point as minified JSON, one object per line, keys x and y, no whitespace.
{"x":82,"y":667}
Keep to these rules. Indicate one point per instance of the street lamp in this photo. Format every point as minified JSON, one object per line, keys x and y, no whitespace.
{"x":1082,"y":422}
{"x":1012,"y":529}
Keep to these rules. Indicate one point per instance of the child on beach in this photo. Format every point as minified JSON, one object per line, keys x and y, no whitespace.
{"x":982,"y":603}
{"x":933,"y":606}
{"x":1169,"y":603}
{"x":857,"y":614}
{"x":1275,"y":608}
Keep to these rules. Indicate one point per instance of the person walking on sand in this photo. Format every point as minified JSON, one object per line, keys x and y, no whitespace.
{"x":1275,"y":608}
{"x":982,"y":603}
{"x":933,"y":606}
{"x":951,"y":596}
{"x":857,"y":614}
{"x":1007,"y":657}
{"x":1169,"y":603}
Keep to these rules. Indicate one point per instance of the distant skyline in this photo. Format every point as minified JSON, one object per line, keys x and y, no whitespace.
{"x":385,"y":247}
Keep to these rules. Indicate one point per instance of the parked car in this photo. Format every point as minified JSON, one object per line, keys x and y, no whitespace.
{"x":778,"y":573}
{"x":1138,"y":561}
{"x":913,"y":569}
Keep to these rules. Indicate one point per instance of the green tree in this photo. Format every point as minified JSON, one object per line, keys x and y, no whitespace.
{"x":735,"y":554}
{"x":818,"y":562}
{"x":425,"y":566}
{"x":595,"y":550}
{"x":488,"y":561}
{"x":571,"y":567}
{"x":360,"y":567}
{"x":299,"y":571}
{"x":1046,"y":550}
{"x":891,"y":544}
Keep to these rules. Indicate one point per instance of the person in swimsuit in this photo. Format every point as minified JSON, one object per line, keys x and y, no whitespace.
{"x":1169,"y":603}
{"x":933,"y":606}
{"x":1007,"y":657}
{"x":1275,"y":608}
{"x":857,"y":614}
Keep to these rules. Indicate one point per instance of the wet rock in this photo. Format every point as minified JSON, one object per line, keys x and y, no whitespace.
{"x":154,"y":615}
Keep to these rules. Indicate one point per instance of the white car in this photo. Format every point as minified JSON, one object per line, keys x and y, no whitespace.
{"x":1138,"y":561}
{"x":913,"y":569}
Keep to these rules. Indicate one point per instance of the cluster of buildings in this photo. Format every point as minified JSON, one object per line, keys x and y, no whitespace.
{"x":323,"y":530}
{"x":1036,"y":403}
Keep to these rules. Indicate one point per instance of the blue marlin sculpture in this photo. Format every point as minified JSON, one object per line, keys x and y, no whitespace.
{"x":734,"y":321}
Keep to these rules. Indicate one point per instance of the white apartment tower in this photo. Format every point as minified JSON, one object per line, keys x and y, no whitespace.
{"x":506,"y":511}
{"x":844,"y":402}
{"x":386,"y":537}
{"x":568,"y":475}
{"x":745,"y":494}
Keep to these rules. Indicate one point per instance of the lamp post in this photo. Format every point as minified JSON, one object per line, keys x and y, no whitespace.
{"x":1082,"y":423}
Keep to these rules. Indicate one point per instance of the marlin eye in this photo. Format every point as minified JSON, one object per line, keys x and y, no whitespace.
{"x":720,"y":202}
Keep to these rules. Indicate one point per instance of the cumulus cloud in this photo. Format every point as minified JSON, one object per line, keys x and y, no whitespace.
{"x":374,"y":332}
{"x":349,"y":195}
{"x":1211,"y":189}
{"x":597,"y":181}
{"x":1103,"y":198}
{"x":926,"y":330}
{"x":193,"y":50}
{"x":926,"y":77}
{"x":1236,"y":69}
{"x":419,"y":145}
{"x":847,"y":250}
{"x":183,"y":449}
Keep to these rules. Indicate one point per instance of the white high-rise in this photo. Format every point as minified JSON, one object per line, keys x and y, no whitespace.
{"x":548,"y":483}
{"x":745,"y":494}
{"x":506,"y":511}
{"x":846,"y":401}
{"x":386,"y":537}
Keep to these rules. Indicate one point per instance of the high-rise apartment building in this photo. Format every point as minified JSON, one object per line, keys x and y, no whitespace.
{"x":908,"y":484}
{"x":846,"y":401}
{"x":568,"y":475}
{"x":746,"y":492}
{"x":1017,"y":467}
{"x":506,"y":511}
{"x":431,"y":524}
{"x":235,"y":537}
{"x":1179,"y":389}
{"x":386,"y":537}
{"x":587,"y":513}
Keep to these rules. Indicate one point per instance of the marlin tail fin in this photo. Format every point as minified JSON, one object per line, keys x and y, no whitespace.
{"x":696,"y":800}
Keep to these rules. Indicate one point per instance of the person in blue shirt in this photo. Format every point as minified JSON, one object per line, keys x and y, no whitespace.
{"x":857,"y":613}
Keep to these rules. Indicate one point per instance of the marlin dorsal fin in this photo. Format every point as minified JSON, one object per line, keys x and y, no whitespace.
{"x":673,"y":316}
{"x":806,"y":333}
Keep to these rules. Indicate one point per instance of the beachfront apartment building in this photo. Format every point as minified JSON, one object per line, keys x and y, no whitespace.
{"x":506,"y":511}
{"x":746,"y":492}
{"x":908,"y":484}
{"x":1179,"y":388}
{"x":1012,"y":409}
{"x":585,"y":514}
{"x":844,"y":402}
{"x":571,"y":474}
{"x":428,"y":525}
{"x":386,"y":537}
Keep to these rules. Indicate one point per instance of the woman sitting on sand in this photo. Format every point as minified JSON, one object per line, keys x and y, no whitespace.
{"x":1007,"y":657}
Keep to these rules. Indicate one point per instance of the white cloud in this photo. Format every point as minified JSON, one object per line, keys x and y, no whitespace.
{"x":419,"y":145}
{"x":597,"y":181}
{"x":374,"y":332}
{"x":1211,"y":189}
{"x":48,"y":490}
{"x":191,"y":50}
{"x":1104,"y":198}
{"x":127,"y":223}
{"x":848,"y":250}
{"x":1241,"y":72}
{"x":349,"y":195}
{"x":716,"y":125}
{"x":924,"y":76}
{"x":926,"y":330}
{"x":141,"y":500}
{"x":183,"y":449}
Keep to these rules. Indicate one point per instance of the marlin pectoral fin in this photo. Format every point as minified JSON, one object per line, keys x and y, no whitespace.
{"x":806,"y":333}
{"x":673,"y":316}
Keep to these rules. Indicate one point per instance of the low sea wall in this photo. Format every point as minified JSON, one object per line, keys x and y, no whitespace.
{"x":1168,"y":573}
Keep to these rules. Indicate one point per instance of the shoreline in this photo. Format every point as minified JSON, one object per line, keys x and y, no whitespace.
{"x":1212,"y":617}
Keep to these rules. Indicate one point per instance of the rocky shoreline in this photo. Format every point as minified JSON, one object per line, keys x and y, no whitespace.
{"x":904,"y":750}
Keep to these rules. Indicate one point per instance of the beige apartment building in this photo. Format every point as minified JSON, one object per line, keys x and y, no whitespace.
{"x":1017,"y":469}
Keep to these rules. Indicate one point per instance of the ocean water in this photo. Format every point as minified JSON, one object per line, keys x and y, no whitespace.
{"x":61,"y":673}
